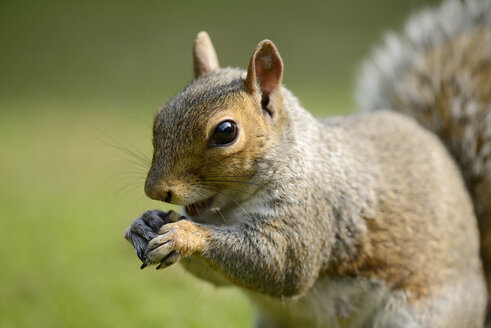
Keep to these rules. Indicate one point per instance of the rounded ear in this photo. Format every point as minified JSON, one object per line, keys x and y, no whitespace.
{"x":204,"y":56}
{"x":265,"y":68}
{"x":264,"y":74}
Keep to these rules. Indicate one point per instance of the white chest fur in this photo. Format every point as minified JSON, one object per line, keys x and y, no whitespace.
{"x":343,"y":302}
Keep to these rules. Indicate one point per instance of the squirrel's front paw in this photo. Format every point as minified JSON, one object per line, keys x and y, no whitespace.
{"x":176,"y":240}
{"x":146,"y":227}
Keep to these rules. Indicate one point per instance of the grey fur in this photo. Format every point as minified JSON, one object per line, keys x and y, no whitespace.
{"x":425,"y":31}
{"x":438,"y":71}
{"x":381,"y":82}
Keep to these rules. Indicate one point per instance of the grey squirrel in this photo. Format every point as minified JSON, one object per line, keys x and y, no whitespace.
{"x":356,"y":221}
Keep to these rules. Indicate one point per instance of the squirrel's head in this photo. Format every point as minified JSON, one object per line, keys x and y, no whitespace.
{"x":209,"y":138}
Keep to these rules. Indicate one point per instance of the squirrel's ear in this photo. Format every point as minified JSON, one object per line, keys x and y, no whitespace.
{"x":204,"y":56}
{"x":265,"y":69}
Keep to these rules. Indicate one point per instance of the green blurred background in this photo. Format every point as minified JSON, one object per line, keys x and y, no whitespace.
{"x":77,"y":80}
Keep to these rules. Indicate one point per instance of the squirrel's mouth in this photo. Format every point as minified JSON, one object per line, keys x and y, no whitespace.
{"x":196,"y":209}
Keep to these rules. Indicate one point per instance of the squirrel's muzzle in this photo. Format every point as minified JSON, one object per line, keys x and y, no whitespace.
{"x":174,"y":192}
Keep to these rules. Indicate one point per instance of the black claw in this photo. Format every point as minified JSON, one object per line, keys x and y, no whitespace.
{"x":141,"y":254}
{"x":159,"y":267}
{"x":144,"y":265}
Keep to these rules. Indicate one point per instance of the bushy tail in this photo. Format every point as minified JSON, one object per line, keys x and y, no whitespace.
{"x":439,"y":71}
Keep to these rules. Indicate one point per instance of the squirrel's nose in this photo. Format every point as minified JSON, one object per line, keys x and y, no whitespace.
{"x":163,"y":196}
{"x":157,"y":192}
{"x":167,"y":189}
{"x":168,"y":197}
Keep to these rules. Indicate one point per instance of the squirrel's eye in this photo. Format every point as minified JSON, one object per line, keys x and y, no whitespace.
{"x":224,"y":133}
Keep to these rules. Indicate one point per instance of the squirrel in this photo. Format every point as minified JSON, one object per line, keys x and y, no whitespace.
{"x":367,"y":220}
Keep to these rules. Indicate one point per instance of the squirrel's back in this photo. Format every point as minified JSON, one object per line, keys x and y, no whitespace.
{"x":439,"y":72}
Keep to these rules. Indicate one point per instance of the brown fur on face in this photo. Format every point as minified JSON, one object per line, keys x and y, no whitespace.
{"x":193,"y":168}
{"x":190,"y":167}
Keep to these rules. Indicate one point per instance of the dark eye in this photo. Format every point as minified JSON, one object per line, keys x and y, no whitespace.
{"x":224,"y":133}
